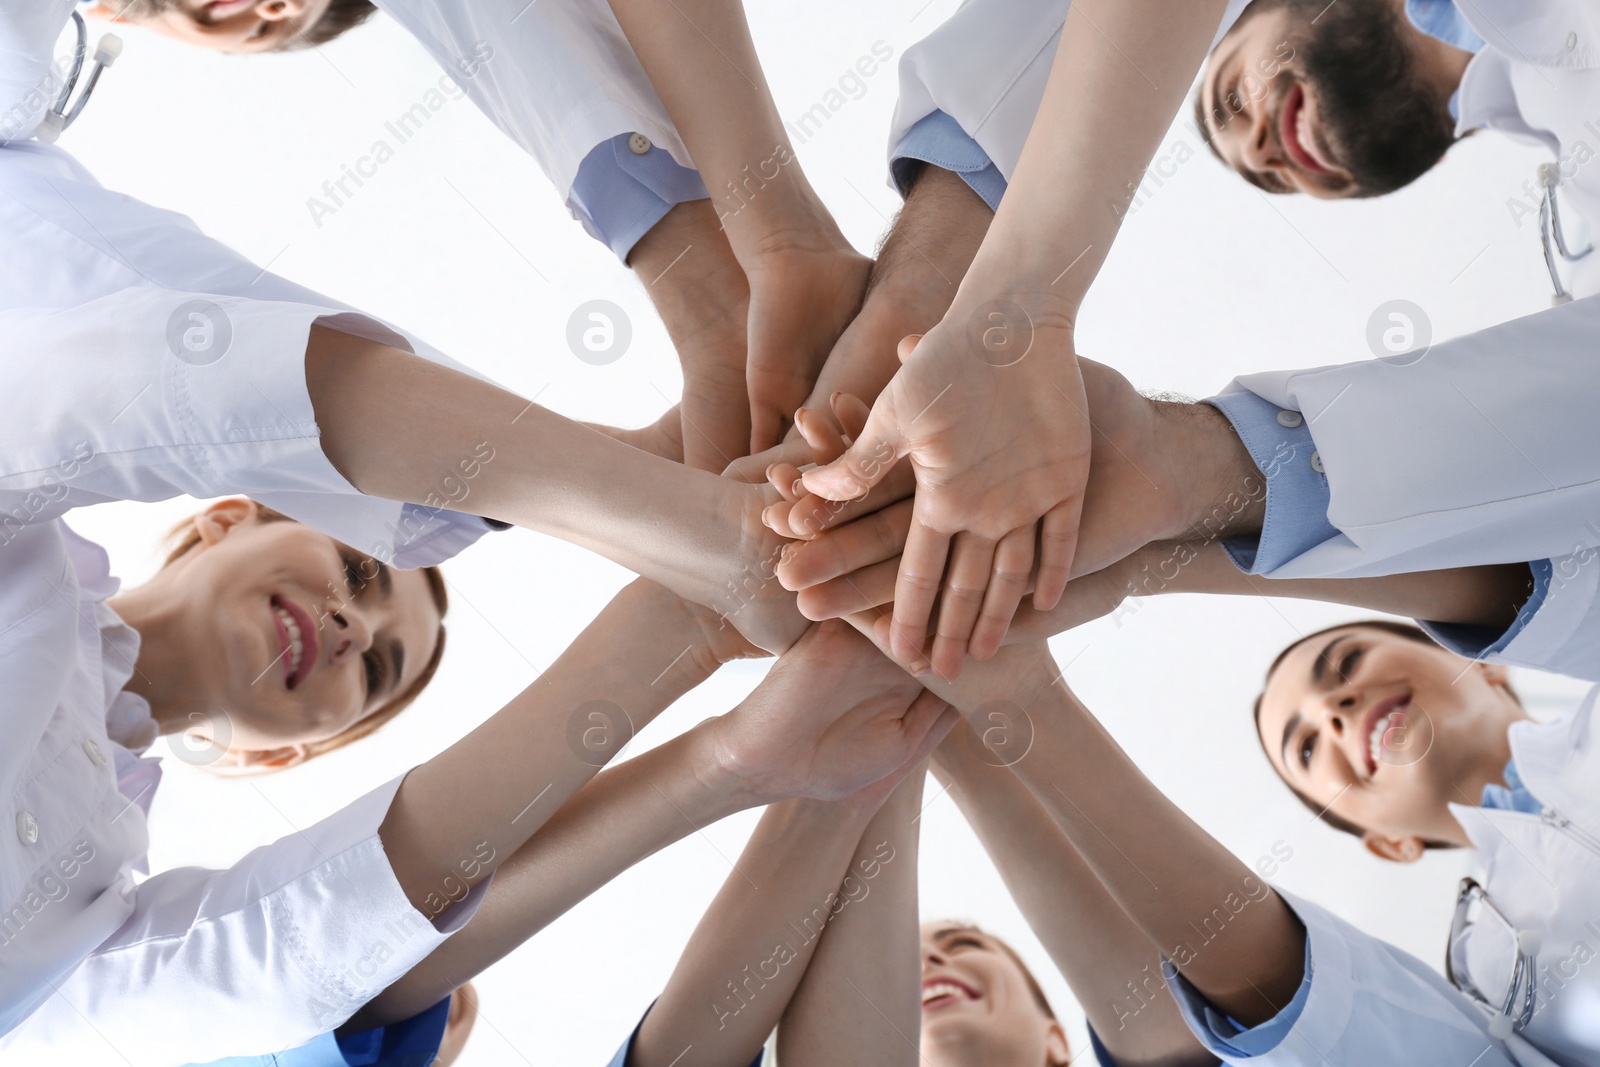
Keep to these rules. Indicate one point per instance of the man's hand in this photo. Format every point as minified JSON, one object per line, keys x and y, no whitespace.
{"x":832,"y":717}
{"x":802,"y":296}
{"x":989,"y":406}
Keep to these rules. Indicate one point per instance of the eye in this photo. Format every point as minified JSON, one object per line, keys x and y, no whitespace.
{"x":375,"y":670}
{"x":1308,"y":745}
{"x":1348,"y":663}
{"x":964,"y":941}
{"x":260,"y":32}
{"x":354,"y":572}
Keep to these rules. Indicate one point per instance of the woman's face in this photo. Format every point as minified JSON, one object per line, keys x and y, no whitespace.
{"x":977,"y":1007}
{"x":292,"y":635}
{"x":1386,"y":731}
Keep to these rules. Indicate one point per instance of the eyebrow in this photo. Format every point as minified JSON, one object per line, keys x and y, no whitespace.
{"x":1319,"y":666}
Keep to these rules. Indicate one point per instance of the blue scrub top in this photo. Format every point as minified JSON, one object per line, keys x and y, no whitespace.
{"x":412,"y":1042}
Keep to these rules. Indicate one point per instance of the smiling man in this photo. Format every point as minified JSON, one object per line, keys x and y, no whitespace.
{"x":1342,"y":100}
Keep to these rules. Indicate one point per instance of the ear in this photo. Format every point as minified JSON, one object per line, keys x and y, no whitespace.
{"x":1495,"y":673}
{"x":215,"y":521}
{"x":1057,"y":1053}
{"x":266,"y":759}
{"x":1393,"y":849}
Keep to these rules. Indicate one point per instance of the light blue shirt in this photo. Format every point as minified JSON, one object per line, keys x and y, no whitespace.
{"x":621,"y":1058}
{"x":621,"y":194}
{"x":939,"y":139}
{"x":412,"y":1042}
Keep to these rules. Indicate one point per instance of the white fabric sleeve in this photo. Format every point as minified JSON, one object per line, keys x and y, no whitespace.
{"x":119,"y":409}
{"x":284,"y":945}
{"x":1370,"y":1003}
{"x":558,"y":77}
{"x":1478,"y":450}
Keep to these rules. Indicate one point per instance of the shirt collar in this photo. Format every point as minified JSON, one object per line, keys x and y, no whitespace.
{"x":1441,"y":20}
{"x":1513,"y":796}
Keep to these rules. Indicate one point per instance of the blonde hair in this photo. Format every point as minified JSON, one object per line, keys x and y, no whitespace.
{"x":186,"y":535}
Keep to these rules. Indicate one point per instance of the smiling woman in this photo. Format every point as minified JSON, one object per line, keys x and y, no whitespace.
{"x":260,"y":736}
{"x":241,"y":25}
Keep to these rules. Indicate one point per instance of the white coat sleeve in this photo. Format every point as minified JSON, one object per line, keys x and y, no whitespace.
{"x":104,"y":401}
{"x":558,"y":77}
{"x":1480,"y":450}
{"x":284,"y":945}
{"x":986,"y":67}
{"x":1370,"y":1003}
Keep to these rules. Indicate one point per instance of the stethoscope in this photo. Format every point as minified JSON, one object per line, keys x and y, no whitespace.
{"x":1552,"y":236}
{"x":106,"y":52}
{"x":1515,"y":1009}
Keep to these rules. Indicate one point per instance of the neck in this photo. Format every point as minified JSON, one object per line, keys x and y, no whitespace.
{"x":1488,"y":769}
{"x":159,"y":663}
{"x":1441,"y":66}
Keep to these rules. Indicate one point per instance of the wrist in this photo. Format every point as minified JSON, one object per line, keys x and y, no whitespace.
{"x":1222,"y":492}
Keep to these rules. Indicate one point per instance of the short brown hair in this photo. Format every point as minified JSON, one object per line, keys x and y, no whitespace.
{"x":341,"y":15}
{"x":184,"y":536}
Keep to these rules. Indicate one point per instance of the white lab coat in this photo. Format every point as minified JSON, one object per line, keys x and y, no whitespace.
{"x":1538,"y":80}
{"x":986,"y":67}
{"x":558,"y":77}
{"x":1481,"y":450}
{"x":1370,"y":1003}
{"x":190,"y":965}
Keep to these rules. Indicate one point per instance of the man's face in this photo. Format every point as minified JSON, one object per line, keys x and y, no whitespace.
{"x":222,"y":25}
{"x":1324,"y":100}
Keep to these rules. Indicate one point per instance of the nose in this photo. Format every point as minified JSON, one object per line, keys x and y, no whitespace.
{"x":279,"y":10}
{"x":1340,"y":709}
{"x":1258,"y":150}
{"x":348,"y":635}
{"x":931,"y":956}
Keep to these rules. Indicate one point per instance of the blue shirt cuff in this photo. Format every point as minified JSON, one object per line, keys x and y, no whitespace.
{"x":1232,"y":1040}
{"x":939,"y":139}
{"x":619,"y":194}
{"x":1296,"y":519}
{"x":1478,"y":642}
{"x":621,"y":1058}
{"x":413,"y":1042}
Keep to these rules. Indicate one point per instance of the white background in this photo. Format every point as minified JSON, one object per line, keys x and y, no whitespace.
{"x":460,"y":239}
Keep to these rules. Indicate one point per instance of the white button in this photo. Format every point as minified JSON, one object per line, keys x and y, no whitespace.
{"x":1572,"y":40}
{"x":1316,"y":462}
{"x":1290,"y":419}
{"x":94,"y":753}
{"x":638,"y":144}
{"x":27,"y":828}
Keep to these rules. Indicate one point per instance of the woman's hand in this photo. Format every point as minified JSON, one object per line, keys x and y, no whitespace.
{"x":802,"y":296}
{"x":832,"y":717}
{"x":990,"y":409}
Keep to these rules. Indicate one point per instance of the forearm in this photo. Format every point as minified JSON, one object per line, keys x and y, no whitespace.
{"x":923,"y":259}
{"x":1095,"y":945}
{"x":1166,"y":872}
{"x":398,"y":426}
{"x":626,"y":814}
{"x":1489,"y":595}
{"x":860,"y":999}
{"x":456,"y":817}
{"x":1120,"y":73}
{"x":703,"y":64}
{"x":756,"y":940}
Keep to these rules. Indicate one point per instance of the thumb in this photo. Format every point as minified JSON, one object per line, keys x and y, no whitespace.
{"x":908,"y":344}
{"x":866,"y":462}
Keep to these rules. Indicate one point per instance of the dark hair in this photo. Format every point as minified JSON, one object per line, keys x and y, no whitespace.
{"x":1397,"y":629}
{"x":341,"y":15}
{"x":184,"y":536}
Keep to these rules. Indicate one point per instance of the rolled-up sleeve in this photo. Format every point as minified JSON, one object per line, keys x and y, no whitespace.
{"x":1362,"y":1002}
{"x":263,"y":956}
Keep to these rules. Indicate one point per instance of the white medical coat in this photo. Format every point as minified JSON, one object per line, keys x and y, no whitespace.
{"x":98,"y":404}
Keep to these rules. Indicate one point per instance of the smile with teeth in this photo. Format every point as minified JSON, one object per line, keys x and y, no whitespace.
{"x":1396,"y":719}
{"x":297,"y":646}
{"x":945,"y":992}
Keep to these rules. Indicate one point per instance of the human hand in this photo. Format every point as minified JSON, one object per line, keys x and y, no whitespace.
{"x":803,"y":294}
{"x":832,"y":717}
{"x":994,"y":420}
